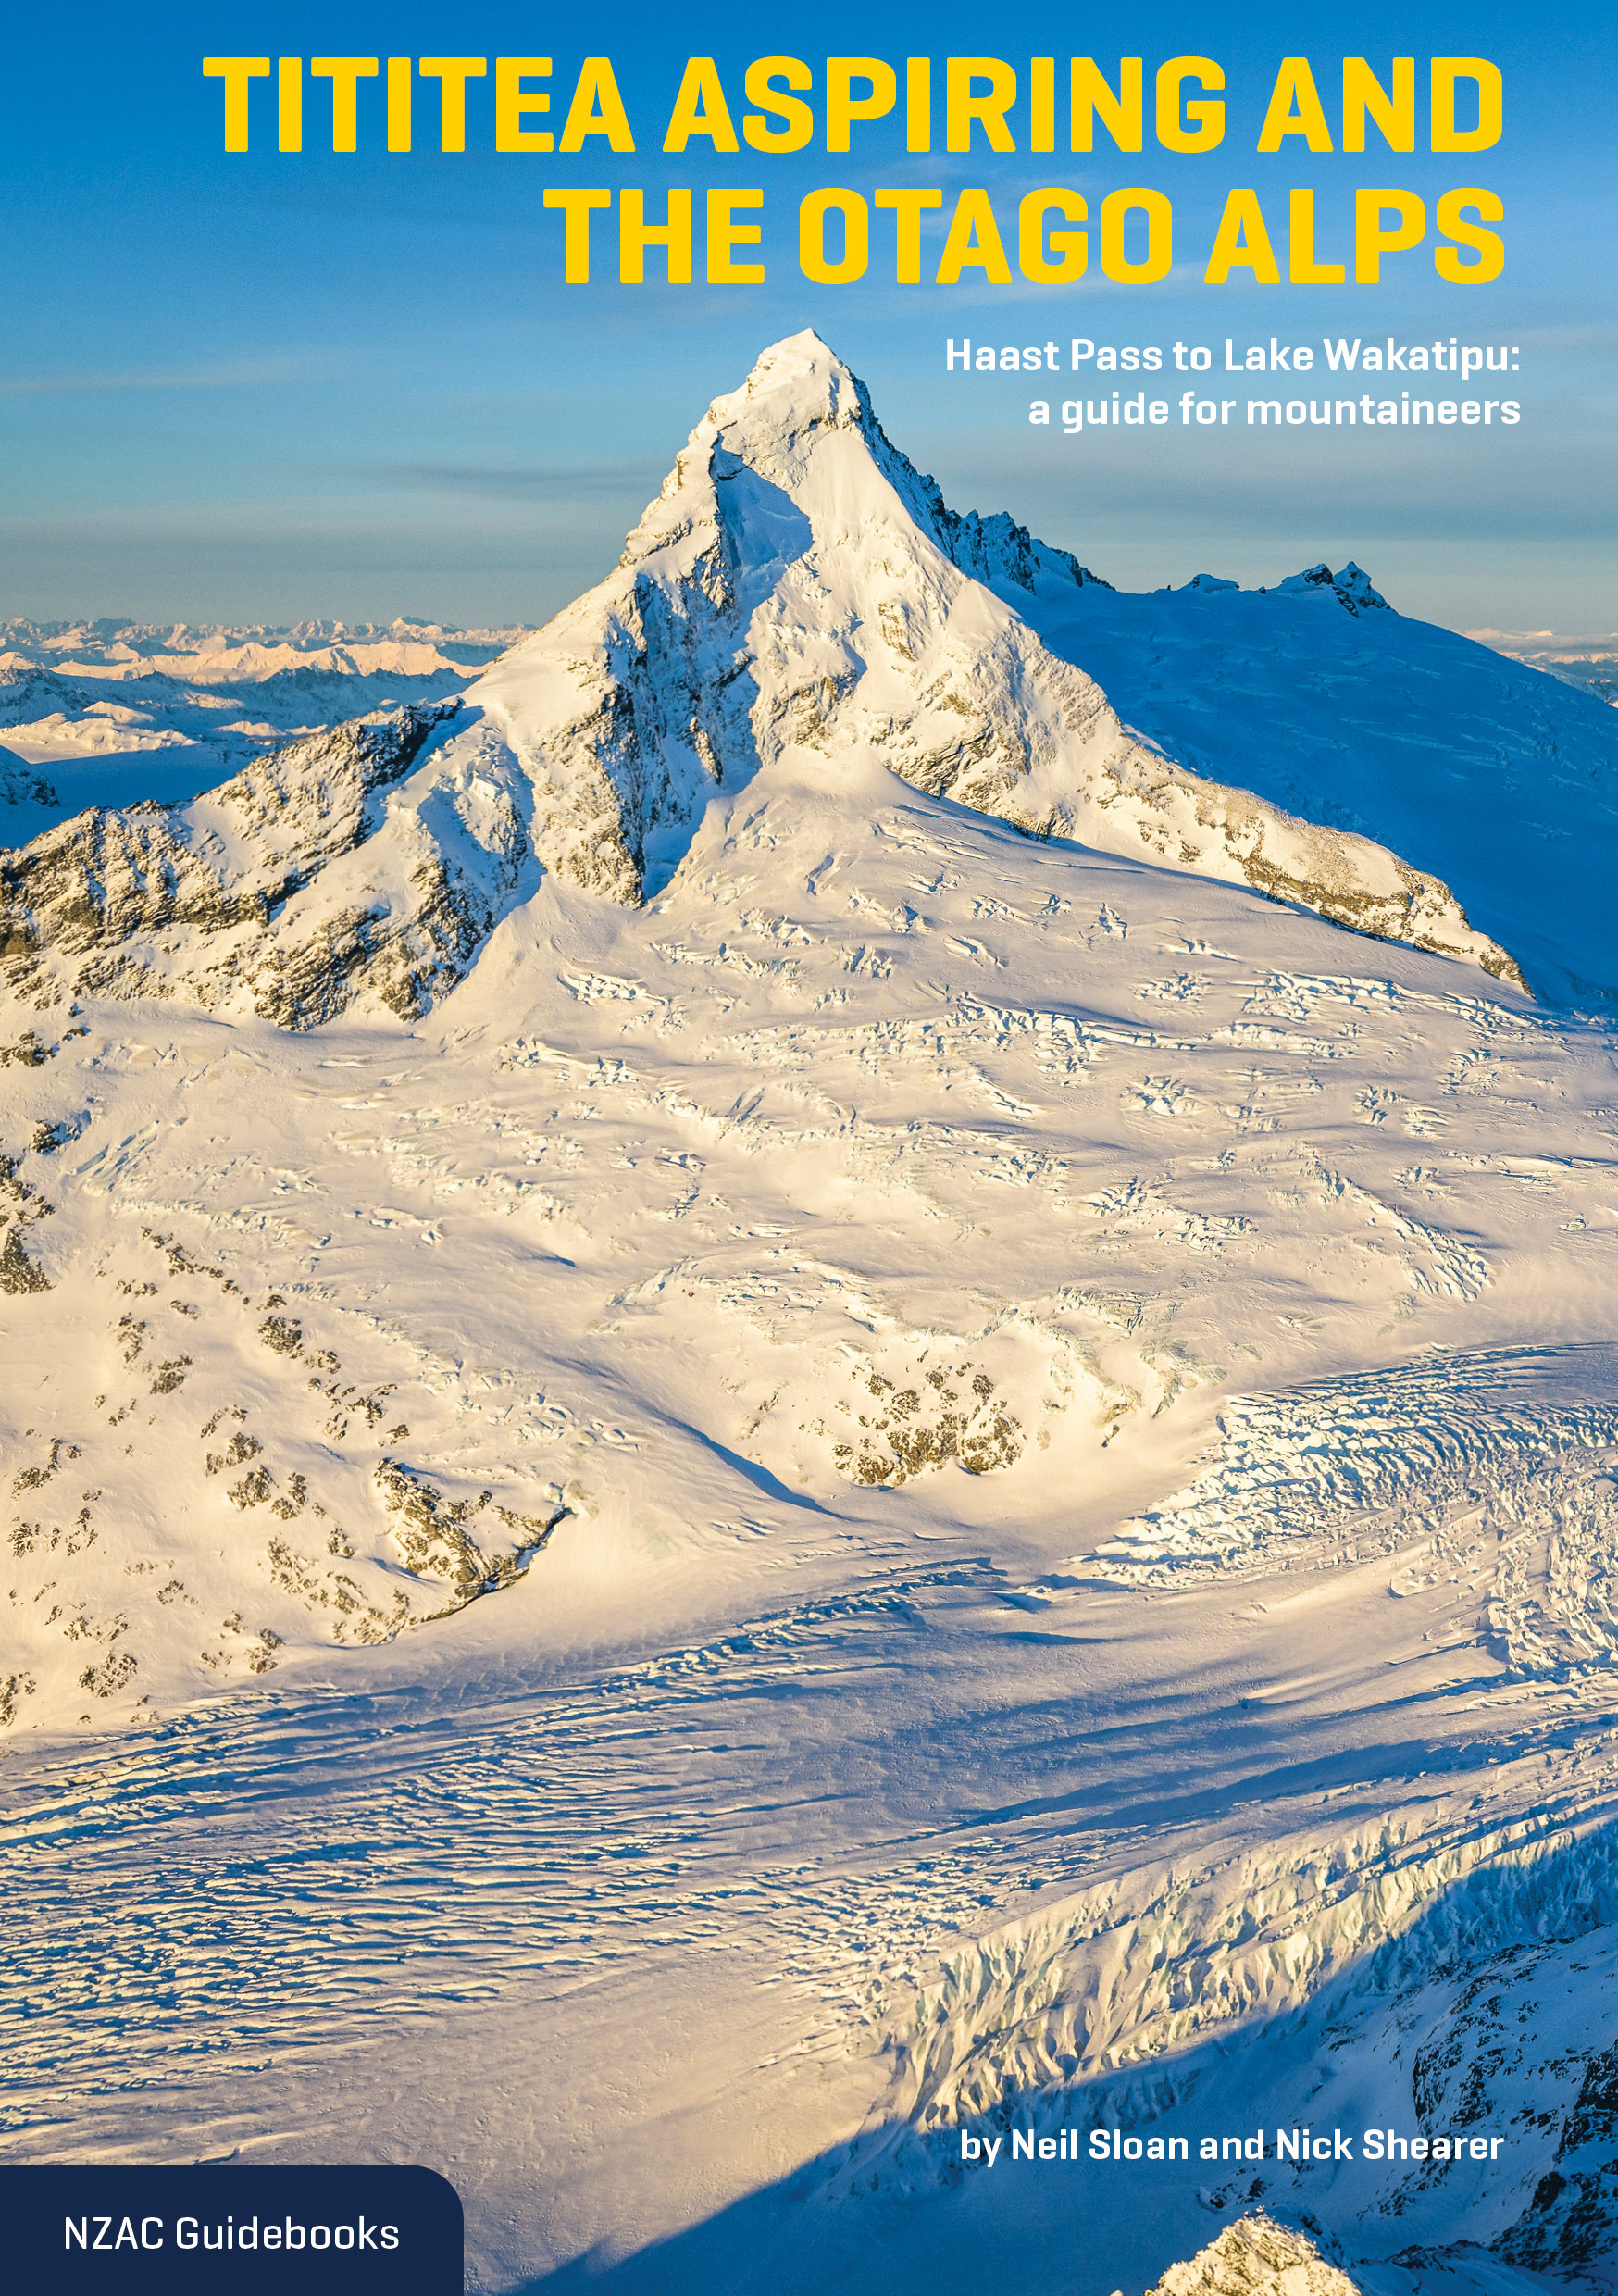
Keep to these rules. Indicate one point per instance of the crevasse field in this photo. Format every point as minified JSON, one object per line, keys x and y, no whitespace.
{"x":818,"y":1370}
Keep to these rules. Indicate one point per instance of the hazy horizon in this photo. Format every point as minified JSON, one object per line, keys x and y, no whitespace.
{"x":256,"y":386}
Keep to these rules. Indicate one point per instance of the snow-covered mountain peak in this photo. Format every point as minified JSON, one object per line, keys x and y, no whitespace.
{"x":1352,"y":588}
{"x":799,"y":599}
{"x":803,"y":423}
{"x":799,"y":586}
{"x":801,"y":415}
{"x":799,"y":390}
{"x":797,"y":386}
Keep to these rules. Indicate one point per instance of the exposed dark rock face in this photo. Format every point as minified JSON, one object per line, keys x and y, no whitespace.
{"x":18,"y":1272}
{"x":20,"y":1206}
{"x":435,"y":1538}
{"x":19,"y":784}
{"x":1571,"y":2220}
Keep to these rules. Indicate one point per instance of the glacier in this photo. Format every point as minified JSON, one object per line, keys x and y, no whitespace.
{"x":822,"y":1363}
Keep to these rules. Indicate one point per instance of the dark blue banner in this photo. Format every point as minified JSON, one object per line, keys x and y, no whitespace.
{"x":123,"y":2231}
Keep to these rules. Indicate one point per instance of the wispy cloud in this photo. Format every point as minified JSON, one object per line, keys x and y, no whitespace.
{"x":532,"y":480}
{"x":229,"y":374}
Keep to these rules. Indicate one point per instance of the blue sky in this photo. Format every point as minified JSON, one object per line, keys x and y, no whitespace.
{"x":268,"y":385}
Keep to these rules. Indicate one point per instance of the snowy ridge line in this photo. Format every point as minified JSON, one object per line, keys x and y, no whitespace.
{"x":798,"y":592}
{"x":797,"y":584}
{"x":121,"y":648}
{"x":1219,"y":683}
{"x":1148,"y":1963}
{"x":237,"y":900}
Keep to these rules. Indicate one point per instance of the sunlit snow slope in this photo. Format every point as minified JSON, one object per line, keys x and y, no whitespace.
{"x":755,"y":1407}
{"x":1493,"y":772}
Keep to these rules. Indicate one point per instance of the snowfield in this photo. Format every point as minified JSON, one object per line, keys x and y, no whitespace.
{"x":825,"y":1365}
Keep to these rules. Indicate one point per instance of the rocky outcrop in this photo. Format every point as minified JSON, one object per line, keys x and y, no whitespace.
{"x":1570,"y":2223}
{"x":1255,"y":2256}
{"x":20,"y":1207}
{"x":240,"y":901}
{"x":20,"y":785}
{"x":1352,"y":588}
{"x":437,"y":1537}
